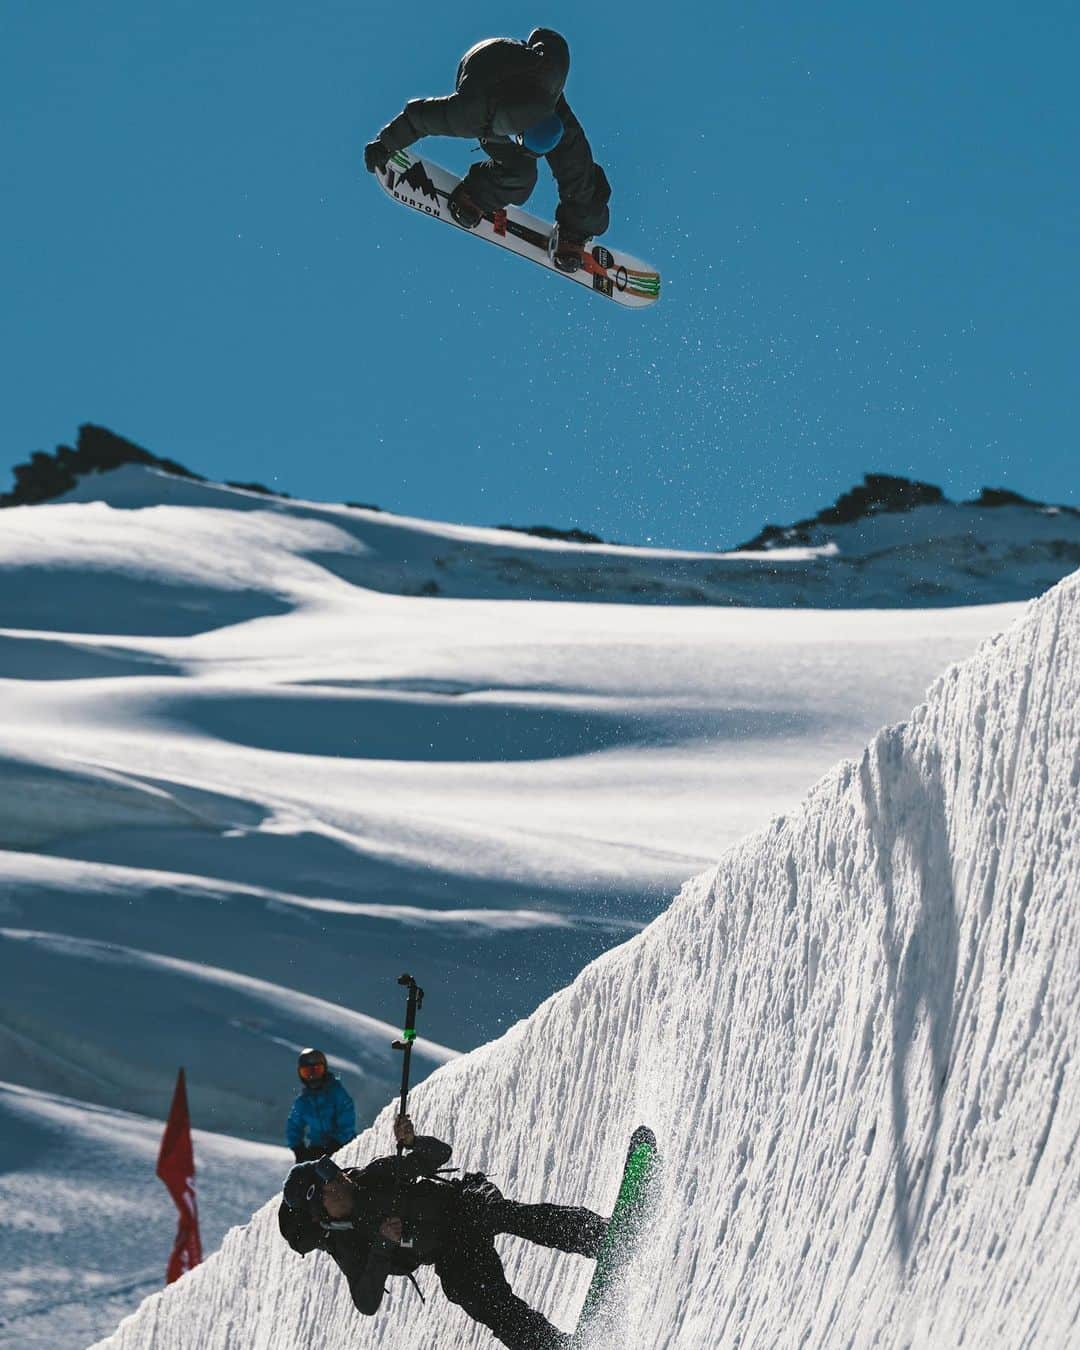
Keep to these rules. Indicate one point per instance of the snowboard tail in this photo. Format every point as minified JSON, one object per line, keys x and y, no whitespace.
{"x":424,"y":186}
{"x":598,"y":1325}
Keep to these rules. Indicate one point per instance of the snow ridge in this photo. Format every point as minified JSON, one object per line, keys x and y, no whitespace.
{"x":937,"y":554}
{"x":856,"y":1039}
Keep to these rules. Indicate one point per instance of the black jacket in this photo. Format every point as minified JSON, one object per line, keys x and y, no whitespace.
{"x":503,"y":87}
{"x":406,"y":1187}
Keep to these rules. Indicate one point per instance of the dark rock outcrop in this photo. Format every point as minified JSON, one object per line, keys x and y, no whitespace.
{"x":880,"y":494}
{"x":550,"y":532}
{"x":256,"y":487}
{"x":992,"y":497}
{"x":97,"y":450}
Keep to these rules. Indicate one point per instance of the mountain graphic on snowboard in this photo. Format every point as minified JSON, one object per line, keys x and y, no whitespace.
{"x":424,"y":186}
{"x":600,"y":1326}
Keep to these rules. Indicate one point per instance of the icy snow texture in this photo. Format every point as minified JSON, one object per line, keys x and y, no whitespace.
{"x":856,"y":1039}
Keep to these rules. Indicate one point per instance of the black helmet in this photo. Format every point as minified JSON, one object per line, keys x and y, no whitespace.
{"x":521,"y":106}
{"x":304,"y":1185}
{"x":311,"y":1066}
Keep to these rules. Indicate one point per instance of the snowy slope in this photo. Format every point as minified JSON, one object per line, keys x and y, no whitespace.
{"x":242,"y":786}
{"x":909,"y":535}
{"x":246,"y":778}
{"x":85,"y":1226}
{"x":857,"y":1038}
{"x":937,"y":554}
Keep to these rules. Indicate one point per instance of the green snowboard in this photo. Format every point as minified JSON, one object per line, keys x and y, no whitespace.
{"x":598,"y":1326}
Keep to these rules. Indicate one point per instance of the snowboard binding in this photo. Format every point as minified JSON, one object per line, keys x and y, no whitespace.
{"x":463,"y":209}
{"x":567,"y":251}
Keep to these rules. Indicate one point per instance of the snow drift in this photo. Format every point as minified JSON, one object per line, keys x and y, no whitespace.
{"x":856,"y":1039}
{"x":253,"y":778}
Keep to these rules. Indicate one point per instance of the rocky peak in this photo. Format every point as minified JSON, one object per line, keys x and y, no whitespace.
{"x":97,"y":450}
{"x":881,"y":494}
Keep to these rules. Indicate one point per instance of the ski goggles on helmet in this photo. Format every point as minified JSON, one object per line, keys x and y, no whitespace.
{"x":543,"y":136}
{"x":304,"y":1184}
{"x":311,"y":1071}
{"x":326,"y":1169}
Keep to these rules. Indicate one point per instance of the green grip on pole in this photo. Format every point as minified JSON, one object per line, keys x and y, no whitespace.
{"x":408,"y":1035}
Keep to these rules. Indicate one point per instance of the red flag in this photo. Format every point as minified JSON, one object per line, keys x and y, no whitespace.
{"x":176,"y":1168}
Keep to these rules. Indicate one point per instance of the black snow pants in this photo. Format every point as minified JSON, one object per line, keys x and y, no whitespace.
{"x":509,"y":176}
{"x":471,"y":1270}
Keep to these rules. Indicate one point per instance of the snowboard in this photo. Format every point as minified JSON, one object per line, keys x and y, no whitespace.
{"x":424,"y":186}
{"x":598,"y":1326}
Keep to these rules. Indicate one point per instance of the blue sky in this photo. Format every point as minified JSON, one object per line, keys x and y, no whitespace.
{"x":866,"y":217}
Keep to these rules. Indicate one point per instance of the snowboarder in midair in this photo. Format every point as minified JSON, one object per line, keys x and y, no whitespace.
{"x":323,"y":1117}
{"x":399,"y":1213}
{"x":509,"y":96}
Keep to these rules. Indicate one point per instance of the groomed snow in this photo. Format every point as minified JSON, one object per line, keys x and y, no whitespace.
{"x":856,"y":1038}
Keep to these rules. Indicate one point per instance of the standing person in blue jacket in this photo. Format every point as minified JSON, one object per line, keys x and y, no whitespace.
{"x":323,"y":1117}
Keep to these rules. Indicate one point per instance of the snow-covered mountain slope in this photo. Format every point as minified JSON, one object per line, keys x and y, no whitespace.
{"x":938,"y":554}
{"x":242,"y":792}
{"x":86,"y":1227}
{"x":857,"y":1038}
{"x":935,"y":553}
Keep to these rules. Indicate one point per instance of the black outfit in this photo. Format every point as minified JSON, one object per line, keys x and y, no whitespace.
{"x":504,"y":87}
{"x":453,"y":1224}
{"x":313,"y":1152}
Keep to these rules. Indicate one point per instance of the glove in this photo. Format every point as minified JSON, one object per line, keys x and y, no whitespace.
{"x":376,"y":156}
{"x":313,"y":1152}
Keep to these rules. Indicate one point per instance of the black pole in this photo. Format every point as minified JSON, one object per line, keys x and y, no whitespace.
{"x":412,"y":1007}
